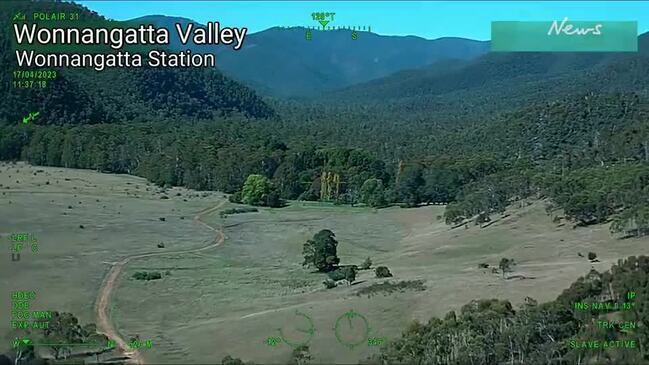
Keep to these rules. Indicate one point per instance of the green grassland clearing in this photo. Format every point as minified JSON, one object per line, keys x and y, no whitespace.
{"x":230,"y":298}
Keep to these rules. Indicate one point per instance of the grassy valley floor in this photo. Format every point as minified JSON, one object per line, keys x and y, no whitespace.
{"x":229,"y":299}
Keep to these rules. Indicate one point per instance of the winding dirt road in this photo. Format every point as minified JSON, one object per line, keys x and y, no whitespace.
{"x":111,"y":281}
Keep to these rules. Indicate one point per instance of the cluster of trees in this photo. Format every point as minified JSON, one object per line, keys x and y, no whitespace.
{"x":596,"y":195}
{"x":493,"y":332}
{"x":63,"y":331}
{"x":588,"y":154}
{"x":148,"y":275}
{"x":587,"y":195}
{"x":321,"y":252}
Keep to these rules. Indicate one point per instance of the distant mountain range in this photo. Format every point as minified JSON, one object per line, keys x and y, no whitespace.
{"x":447,"y":76}
{"x":501,"y":81}
{"x":282,"y":62}
{"x":428,"y":74}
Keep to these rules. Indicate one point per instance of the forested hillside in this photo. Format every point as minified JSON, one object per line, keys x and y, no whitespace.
{"x":502,"y":81}
{"x":589,"y":153}
{"x":283,"y":62}
{"x":478,"y":136}
{"x":557,"y":332}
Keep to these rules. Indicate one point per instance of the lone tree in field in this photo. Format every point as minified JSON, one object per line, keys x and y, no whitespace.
{"x":506,"y":265}
{"x":321,"y":251}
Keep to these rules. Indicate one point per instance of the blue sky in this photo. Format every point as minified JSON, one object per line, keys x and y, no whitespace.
{"x":428,"y":19}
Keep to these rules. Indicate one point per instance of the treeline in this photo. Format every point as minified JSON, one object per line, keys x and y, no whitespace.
{"x":597,"y":195}
{"x":205,"y":156}
{"x":221,"y":154}
{"x":557,"y":332}
{"x":588,"y":154}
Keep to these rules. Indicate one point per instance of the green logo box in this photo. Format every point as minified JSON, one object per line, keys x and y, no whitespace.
{"x":564,"y":36}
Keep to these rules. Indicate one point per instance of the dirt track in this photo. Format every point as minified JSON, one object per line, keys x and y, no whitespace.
{"x":111,"y":281}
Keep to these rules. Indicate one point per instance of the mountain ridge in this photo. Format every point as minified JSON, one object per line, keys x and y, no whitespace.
{"x":287,"y":64}
{"x":510,"y":75}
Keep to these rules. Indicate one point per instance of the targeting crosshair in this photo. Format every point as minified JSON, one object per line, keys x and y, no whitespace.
{"x":300,"y":332}
{"x":352,"y":329}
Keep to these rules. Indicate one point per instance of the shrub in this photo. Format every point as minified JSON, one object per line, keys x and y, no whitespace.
{"x":367,"y":264}
{"x":273,"y":200}
{"x":388,"y":287}
{"x":382,"y":272}
{"x":301,"y":355}
{"x":162,"y":219}
{"x":143,"y":275}
{"x":592,"y":256}
{"x":229,"y":360}
{"x":235,"y":198}
{"x":350,"y":274}
{"x":227,"y":212}
{"x":336,"y":275}
{"x":482,"y":218}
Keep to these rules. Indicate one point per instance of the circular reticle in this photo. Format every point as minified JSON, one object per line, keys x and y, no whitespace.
{"x":352,"y":329}
{"x":298,"y":331}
